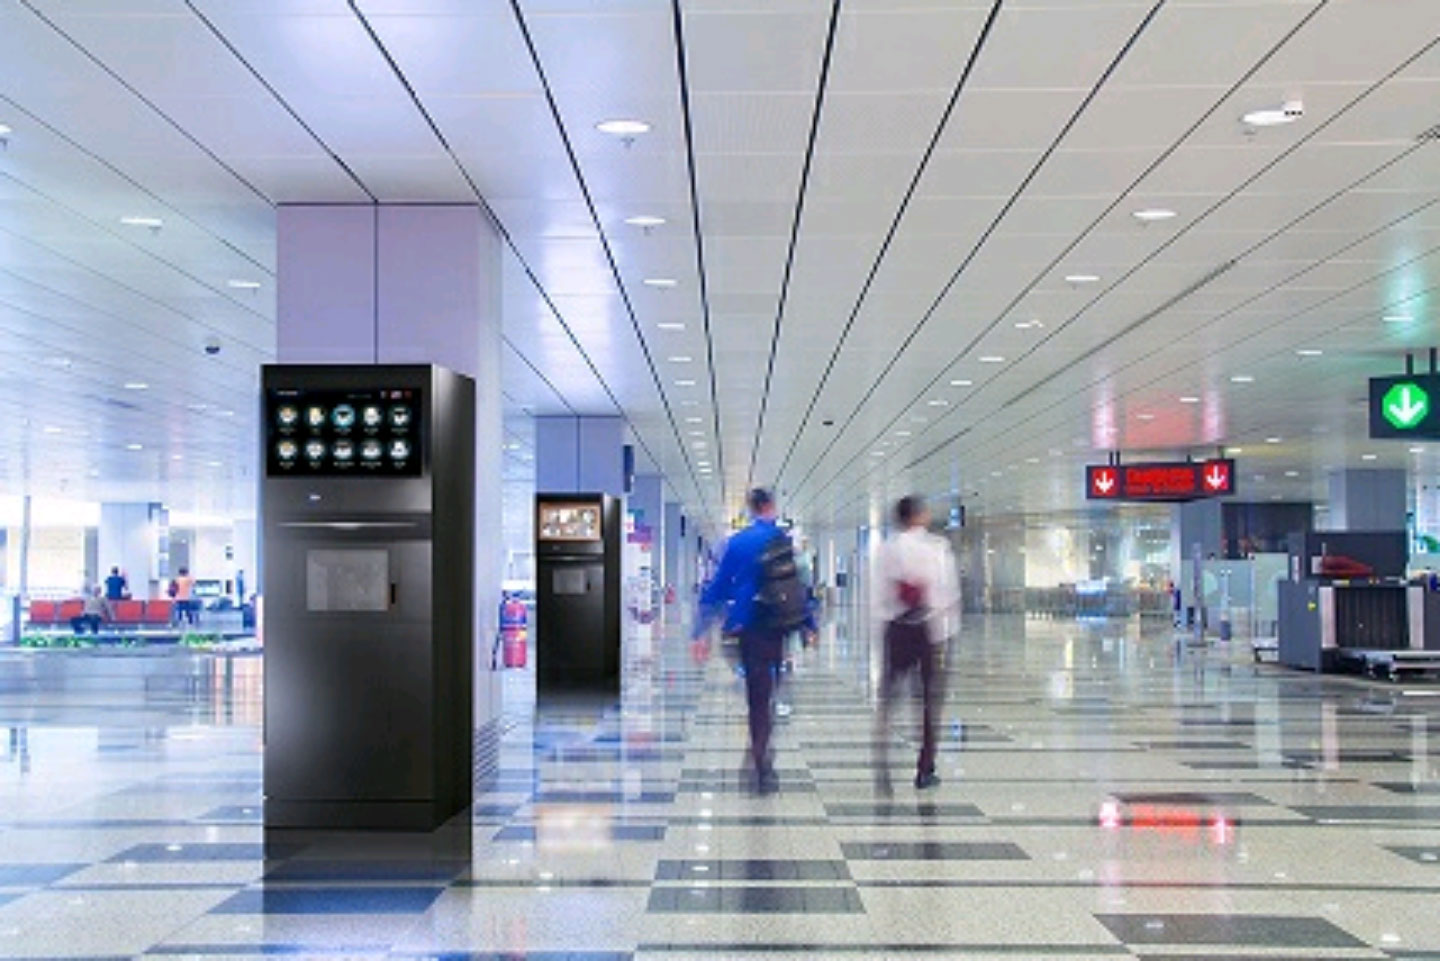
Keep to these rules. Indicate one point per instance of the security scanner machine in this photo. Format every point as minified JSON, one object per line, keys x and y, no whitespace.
{"x":577,"y":593}
{"x":368,"y":514}
{"x":1348,"y":607}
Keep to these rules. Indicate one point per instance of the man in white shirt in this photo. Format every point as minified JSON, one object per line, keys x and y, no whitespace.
{"x":919,"y":601}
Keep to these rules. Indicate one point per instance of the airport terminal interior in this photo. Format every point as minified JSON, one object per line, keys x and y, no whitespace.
{"x":387,"y":382}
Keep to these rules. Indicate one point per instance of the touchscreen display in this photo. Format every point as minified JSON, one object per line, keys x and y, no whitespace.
{"x":570,"y":522}
{"x":354,"y":433}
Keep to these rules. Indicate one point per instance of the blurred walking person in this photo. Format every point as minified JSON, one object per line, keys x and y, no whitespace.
{"x":919,"y":603}
{"x":758,"y":591}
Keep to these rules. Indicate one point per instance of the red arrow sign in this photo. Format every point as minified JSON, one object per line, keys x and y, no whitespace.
{"x":1104,"y":482}
{"x":1217,"y":477}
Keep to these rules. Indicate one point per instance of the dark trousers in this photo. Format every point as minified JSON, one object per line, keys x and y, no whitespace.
{"x":82,"y":621}
{"x":908,"y":649}
{"x":760,"y":652}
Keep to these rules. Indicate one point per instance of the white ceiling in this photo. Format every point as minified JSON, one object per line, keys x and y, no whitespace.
{"x":863,"y":199}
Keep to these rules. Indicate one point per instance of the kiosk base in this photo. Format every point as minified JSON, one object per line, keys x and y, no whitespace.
{"x":356,"y":815}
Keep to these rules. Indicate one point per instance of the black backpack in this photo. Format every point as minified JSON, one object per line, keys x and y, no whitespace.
{"x":782,"y":603}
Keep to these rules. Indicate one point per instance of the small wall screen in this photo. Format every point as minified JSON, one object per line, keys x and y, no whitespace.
{"x":569,"y":522}
{"x":351,"y":433}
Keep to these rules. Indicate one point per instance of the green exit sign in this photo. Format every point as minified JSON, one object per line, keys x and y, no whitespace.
{"x":1405,"y":407}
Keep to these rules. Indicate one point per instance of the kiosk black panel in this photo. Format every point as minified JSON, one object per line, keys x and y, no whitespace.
{"x":577,"y":592}
{"x":369,"y":596}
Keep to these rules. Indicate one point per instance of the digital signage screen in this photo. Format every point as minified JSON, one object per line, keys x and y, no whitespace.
{"x":577,"y":522}
{"x":344,"y":433}
{"x":1176,"y":481}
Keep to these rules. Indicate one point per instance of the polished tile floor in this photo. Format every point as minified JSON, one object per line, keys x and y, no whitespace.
{"x":1109,"y":793}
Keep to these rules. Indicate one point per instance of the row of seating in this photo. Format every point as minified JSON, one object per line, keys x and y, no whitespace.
{"x":122,"y":613}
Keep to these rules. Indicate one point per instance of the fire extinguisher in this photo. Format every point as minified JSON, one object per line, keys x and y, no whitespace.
{"x":514,"y":625}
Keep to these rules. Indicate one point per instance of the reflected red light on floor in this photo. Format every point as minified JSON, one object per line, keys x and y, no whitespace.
{"x":1178,"y":822}
{"x":1110,"y":814}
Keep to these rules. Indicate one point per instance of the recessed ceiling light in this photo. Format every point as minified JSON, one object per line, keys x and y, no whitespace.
{"x":136,"y":385}
{"x":6,"y":130}
{"x":938,"y":402}
{"x":1152,"y":214}
{"x":1242,"y":379}
{"x":1189,"y":399}
{"x":1369,"y":456}
{"x":680,"y":359}
{"x":697,"y":433}
{"x":694,"y":420}
{"x":1032,"y":460}
{"x":903,"y":433}
{"x":225,"y":413}
{"x":1234,"y":451}
{"x":1310,"y":352}
{"x":134,"y":446}
{"x":177,"y":456}
{"x":51,"y":429}
{"x":689,"y":403}
{"x":64,"y":363}
{"x":623,"y":128}
{"x":1292,"y":473}
{"x":877,"y":453}
{"x":213,"y":463}
{"x":961,"y":383}
{"x":1145,"y":416}
{"x":1029,"y":324}
{"x":1272,"y":440}
{"x":645,"y":221}
{"x":671,"y":325}
{"x":662,"y":282}
{"x":1417,"y":450}
{"x":1288,"y":112}
{"x":684,"y":383}
{"x":992,"y":359}
{"x":243,"y":284}
{"x":1397,"y":318}
{"x":154,"y":223}
{"x":1081,"y":279}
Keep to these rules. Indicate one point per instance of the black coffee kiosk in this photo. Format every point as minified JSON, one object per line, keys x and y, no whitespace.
{"x":368,"y":520}
{"x":577,"y":593}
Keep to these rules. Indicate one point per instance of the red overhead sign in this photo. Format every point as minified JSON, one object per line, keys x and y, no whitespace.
{"x":1178,"y":481}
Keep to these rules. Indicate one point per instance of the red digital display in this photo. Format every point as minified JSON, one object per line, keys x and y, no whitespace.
{"x":1179,"y":481}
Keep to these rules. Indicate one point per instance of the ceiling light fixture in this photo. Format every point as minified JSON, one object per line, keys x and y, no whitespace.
{"x":1234,"y":451}
{"x":992,"y":359}
{"x":684,"y":383}
{"x":154,"y":223}
{"x":134,"y":447}
{"x":1145,"y":416}
{"x":1310,"y":352}
{"x":628,"y":129}
{"x":904,"y":433}
{"x":938,"y":402}
{"x":51,"y":429}
{"x":1242,"y":379}
{"x":1189,"y":399}
{"x":136,"y":385}
{"x":1081,"y":279}
{"x":1397,"y":318}
{"x":1369,"y":456}
{"x":1288,"y":112}
{"x":645,"y":221}
{"x":671,"y":325}
{"x":681,"y":359}
{"x":1272,"y":440}
{"x":662,"y":282}
{"x":1029,"y":324}
{"x":1292,"y":473}
{"x":6,"y":130}
{"x":694,"y":420}
{"x":1151,"y":214}
{"x":961,"y":383}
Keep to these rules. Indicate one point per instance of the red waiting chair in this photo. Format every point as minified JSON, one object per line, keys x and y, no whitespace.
{"x":127,"y":613}
{"x":69,"y":610}
{"x":42,"y":612}
{"x":158,"y":613}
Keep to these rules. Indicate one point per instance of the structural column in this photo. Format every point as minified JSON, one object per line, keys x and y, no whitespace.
{"x":580,"y":455}
{"x":1367,"y":500}
{"x":410,"y":284}
{"x":133,"y":537}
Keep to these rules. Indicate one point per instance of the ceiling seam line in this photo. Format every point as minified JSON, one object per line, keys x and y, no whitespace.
{"x":815,"y":116}
{"x":239,"y":178}
{"x":105,"y":229}
{"x":505,"y":339}
{"x":1170,"y":151}
{"x":604,"y":242}
{"x":683,"y":78}
{"x":284,"y":104}
{"x":989,"y":231}
{"x":490,"y":214}
{"x":889,"y":238}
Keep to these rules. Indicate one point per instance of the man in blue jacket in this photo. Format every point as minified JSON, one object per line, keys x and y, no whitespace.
{"x":732,"y":593}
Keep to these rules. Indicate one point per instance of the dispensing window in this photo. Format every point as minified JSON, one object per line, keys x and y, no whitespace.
{"x":570,"y":581}
{"x":355,"y":580}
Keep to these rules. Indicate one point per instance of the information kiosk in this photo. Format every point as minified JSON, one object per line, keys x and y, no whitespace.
{"x":368,"y":514}
{"x":577,"y":592}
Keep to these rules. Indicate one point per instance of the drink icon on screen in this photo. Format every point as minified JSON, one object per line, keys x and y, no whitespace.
{"x":343,"y":417}
{"x":372,"y":416}
{"x":400,"y":416}
{"x":344,"y":451}
{"x":400,"y":450}
{"x":315,"y":416}
{"x":287,"y":416}
{"x":315,"y":450}
{"x":371,"y":450}
{"x":287,"y":450}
